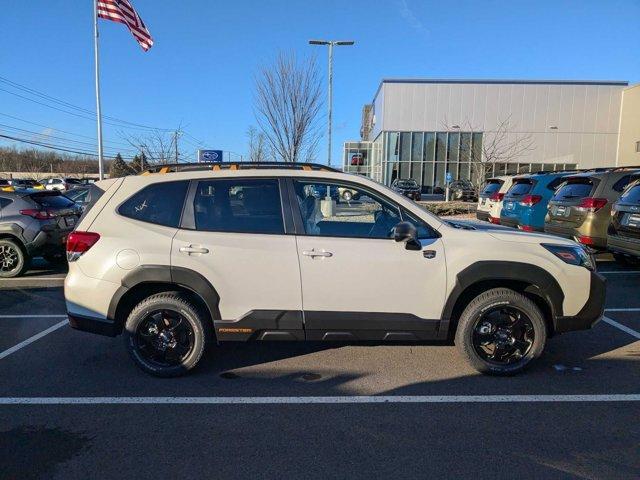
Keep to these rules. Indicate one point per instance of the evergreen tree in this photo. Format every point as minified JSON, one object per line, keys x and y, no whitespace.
{"x":119,"y":168}
{"x":139,"y":163}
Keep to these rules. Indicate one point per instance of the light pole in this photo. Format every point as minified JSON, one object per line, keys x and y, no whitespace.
{"x":331,"y":44}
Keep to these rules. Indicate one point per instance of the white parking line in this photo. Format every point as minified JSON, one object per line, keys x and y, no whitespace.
{"x":619,"y":326}
{"x":622,"y":310}
{"x":30,"y":340}
{"x":620,"y":271}
{"x":316,"y":400}
{"x":33,"y":316}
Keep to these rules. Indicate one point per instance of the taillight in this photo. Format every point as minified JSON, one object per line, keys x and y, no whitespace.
{"x":526,"y":228}
{"x":592,"y":204}
{"x":585,"y":240}
{"x":530,"y":200}
{"x":79,"y":243}
{"x":494,"y":220}
{"x":38,"y":214}
{"x":497,"y":197}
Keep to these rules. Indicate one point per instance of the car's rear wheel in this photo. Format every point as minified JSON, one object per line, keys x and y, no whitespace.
{"x":13,"y":259}
{"x":166,"y":334}
{"x":500,"y":332}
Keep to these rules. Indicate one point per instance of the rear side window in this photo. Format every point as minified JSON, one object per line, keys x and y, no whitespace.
{"x":520,"y":187}
{"x":238,"y":205}
{"x":159,"y":203}
{"x":491,"y":187}
{"x":49,"y":200}
{"x":4,"y":202}
{"x":575,"y":188}
{"x":632,"y":195}
{"x":555,"y":183}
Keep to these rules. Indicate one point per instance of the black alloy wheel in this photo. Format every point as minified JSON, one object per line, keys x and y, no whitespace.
{"x":165,"y":338}
{"x":503,"y":335}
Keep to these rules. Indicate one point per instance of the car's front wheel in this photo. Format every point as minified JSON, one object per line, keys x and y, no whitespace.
{"x":166,"y":334}
{"x":500,"y":332}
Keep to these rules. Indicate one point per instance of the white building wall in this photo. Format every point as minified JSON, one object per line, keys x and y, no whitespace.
{"x":586,"y":115}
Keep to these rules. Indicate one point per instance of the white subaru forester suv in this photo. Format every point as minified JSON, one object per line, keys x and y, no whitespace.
{"x":190,"y":255}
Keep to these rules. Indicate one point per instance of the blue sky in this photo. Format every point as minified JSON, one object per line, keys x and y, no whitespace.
{"x":200,"y":71}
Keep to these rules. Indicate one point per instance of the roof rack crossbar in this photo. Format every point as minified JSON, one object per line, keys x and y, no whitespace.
{"x":190,"y":167}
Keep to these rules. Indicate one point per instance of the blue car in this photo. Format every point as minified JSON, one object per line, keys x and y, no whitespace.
{"x":525,"y":203}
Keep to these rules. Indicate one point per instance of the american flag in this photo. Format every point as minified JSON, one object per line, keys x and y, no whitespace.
{"x":121,"y":11}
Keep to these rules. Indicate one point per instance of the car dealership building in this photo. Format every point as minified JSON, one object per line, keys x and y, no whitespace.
{"x":422,"y":129}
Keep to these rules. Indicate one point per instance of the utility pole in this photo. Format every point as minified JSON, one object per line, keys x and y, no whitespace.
{"x":330,"y":44}
{"x":175,"y":142}
{"x":98,"y":107}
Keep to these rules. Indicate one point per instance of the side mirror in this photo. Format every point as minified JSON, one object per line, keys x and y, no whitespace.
{"x":406,"y":232}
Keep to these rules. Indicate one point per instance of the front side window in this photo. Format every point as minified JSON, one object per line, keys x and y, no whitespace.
{"x":159,"y":203}
{"x":324,"y":213}
{"x":238,"y":205}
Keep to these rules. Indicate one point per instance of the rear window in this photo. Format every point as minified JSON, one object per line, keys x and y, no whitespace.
{"x":632,"y":195}
{"x":575,"y":188}
{"x":520,"y":187}
{"x":491,"y":187}
{"x":621,"y":184}
{"x":51,"y":200}
{"x":159,"y":203}
{"x":4,"y":202}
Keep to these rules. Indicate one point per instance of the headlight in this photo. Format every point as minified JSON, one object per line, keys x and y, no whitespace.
{"x":573,"y":255}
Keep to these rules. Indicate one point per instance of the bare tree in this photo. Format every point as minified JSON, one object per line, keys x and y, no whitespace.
{"x":287,"y":105}
{"x":257,"y":145}
{"x":158,"y":146}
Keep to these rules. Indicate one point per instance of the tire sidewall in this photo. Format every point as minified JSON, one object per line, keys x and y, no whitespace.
{"x":474,"y":311}
{"x":190,"y":315}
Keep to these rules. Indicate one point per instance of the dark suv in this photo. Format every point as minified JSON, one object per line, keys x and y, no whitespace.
{"x":623,"y":235}
{"x":407,"y":187}
{"x":33,"y":223}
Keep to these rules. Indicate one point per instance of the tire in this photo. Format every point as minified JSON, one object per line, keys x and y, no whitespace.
{"x":169,"y":303}
{"x":626,"y":260}
{"x":479,"y":314}
{"x":13,"y":259}
{"x":347,"y":196}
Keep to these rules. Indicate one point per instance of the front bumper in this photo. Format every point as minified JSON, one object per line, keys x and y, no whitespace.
{"x":592,"y":311}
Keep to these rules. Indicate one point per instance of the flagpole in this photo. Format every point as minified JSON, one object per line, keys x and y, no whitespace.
{"x":98,"y":109}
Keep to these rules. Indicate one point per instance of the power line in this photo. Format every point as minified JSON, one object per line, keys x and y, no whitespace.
{"x":45,"y":96}
{"x":53,"y":147}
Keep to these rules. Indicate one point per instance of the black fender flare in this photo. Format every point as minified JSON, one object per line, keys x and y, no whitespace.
{"x":182,"y":277}
{"x":541,"y":283}
{"x":14,"y":230}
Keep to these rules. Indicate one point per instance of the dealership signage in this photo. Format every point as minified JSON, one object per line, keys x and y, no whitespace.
{"x":209,"y":155}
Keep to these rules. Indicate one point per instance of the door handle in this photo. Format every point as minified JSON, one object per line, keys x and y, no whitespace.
{"x":191,"y":249}
{"x":312,"y":253}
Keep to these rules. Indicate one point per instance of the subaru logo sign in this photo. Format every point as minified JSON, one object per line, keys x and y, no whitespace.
{"x":210,"y":155}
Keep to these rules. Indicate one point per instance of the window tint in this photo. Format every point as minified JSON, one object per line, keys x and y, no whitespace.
{"x":324,"y":214}
{"x":239,"y":205}
{"x":49,"y":200}
{"x":632,"y":195}
{"x":4,"y":183}
{"x":491,"y":187}
{"x":4,"y":202}
{"x":520,"y":187}
{"x":159,"y":203}
{"x":620,"y":185}
{"x":577,"y":188}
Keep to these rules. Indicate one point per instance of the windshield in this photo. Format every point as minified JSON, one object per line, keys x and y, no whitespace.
{"x":576,"y":188}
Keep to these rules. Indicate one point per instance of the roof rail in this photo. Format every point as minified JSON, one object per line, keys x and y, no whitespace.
{"x":626,"y":167}
{"x":203,"y":166}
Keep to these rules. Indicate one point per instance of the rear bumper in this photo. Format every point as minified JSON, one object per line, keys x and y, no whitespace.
{"x":509,"y":221}
{"x":592,"y":311}
{"x":484,"y":216}
{"x":629,"y":246}
{"x":100,"y":326}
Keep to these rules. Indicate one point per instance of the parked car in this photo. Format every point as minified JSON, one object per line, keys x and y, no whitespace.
{"x":81,"y":195}
{"x":5,"y":186}
{"x":525,"y":204}
{"x":25,"y":184}
{"x":175,"y":269}
{"x":463,"y":190}
{"x":490,"y":204}
{"x":581,"y":207}
{"x":61,"y":183}
{"x":623,"y":234}
{"x":407,"y":187}
{"x":33,"y":223}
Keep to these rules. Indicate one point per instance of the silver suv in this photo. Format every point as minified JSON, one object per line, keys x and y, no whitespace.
{"x":192,"y":255}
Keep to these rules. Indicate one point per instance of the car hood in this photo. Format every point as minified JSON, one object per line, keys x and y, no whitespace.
{"x":507,"y":234}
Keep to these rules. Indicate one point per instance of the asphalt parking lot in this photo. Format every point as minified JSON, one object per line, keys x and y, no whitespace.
{"x":73,"y":405}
